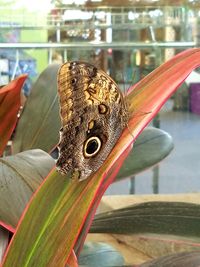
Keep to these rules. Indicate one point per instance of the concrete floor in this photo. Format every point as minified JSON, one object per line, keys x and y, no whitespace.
{"x":180,"y":171}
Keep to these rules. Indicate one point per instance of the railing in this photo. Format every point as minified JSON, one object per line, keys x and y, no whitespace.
{"x":101,"y":17}
{"x":65,"y":47}
{"x":101,"y":45}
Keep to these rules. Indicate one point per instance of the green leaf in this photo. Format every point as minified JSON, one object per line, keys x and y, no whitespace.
{"x":152,"y":146}
{"x":100,"y":255}
{"x":9,"y":108}
{"x":144,"y":246}
{"x":20,"y":176}
{"x":187,"y":259}
{"x":39,"y":123}
{"x":171,"y":218}
{"x":56,"y":215}
{"x":53,"y":220}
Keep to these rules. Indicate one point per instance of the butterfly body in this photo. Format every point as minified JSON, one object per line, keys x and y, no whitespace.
{"x":93,"y":115}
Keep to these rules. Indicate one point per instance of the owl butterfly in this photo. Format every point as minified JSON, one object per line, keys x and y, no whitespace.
{"x":93,"y":115}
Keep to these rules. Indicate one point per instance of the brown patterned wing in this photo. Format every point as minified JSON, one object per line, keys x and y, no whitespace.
{"x":93,"y":115}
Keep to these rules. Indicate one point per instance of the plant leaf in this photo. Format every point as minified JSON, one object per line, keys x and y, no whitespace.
{"x":151,"y":139}
{"x":140,"y":248}
{"x":172,"y":218}
{"x":39,"y":123}
{"x":150,"y":148}
{"x":72,"y":261}
{"x":21,"y":175}
{"x":54,"y":218}
{"x":145,"y":100}
{"x":9,"y":108}
{"x":189,"y":259}
{"x":147,"y":96}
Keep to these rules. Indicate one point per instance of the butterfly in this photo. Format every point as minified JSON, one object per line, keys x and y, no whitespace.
{"x":93,"y":115}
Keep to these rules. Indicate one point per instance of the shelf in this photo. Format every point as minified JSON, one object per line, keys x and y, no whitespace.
{"x":102,"y":45}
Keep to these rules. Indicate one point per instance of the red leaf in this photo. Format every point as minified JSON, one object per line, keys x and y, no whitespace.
{"x":145,"y":100}
{"x":9,"y":107}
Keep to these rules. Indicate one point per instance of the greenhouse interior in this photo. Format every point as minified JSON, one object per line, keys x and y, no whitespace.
{"x":99,"y":133}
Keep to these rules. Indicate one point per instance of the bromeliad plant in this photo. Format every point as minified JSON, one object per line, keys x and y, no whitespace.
{"x":54,"y":224}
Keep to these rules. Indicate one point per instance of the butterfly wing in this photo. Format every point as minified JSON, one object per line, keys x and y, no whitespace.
{"x":93,"y":115}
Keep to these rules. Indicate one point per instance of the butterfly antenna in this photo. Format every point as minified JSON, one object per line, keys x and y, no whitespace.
{"x":125,"y":93}
{"x":123,"y":83}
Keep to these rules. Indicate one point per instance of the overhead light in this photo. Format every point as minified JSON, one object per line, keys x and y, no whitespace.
{"x":77,"y":15}
{"x":133,"y":15}
{"x":156,"y":13}
{"x":76,"y":2}
{"x":100,"y":15}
